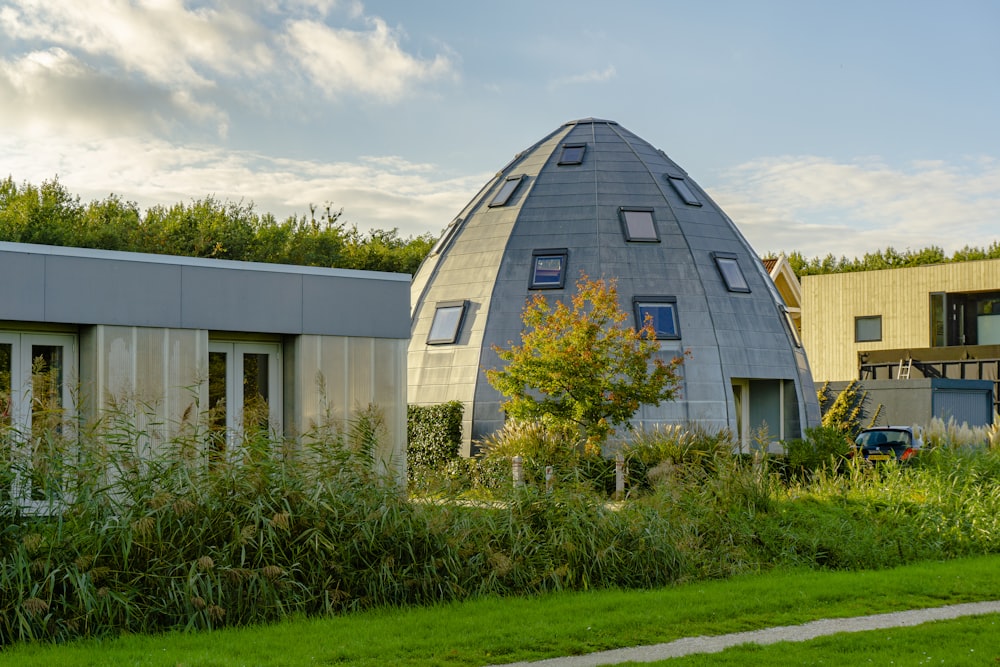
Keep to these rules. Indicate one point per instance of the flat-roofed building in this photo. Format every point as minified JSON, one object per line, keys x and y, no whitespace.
{"x":178,"y":338}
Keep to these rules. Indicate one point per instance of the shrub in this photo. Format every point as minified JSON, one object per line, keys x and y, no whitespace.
{"x":434,"y":435}
{"x":823,"y":446}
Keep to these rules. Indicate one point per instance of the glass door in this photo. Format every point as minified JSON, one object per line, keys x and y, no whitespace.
{"x":244,"y":395}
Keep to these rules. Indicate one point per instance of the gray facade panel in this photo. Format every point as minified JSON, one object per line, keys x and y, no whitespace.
{"x":101,"y":291}
{"x":79,"y":286}
{"x":356,"y":307}
{"x":23,"y":279}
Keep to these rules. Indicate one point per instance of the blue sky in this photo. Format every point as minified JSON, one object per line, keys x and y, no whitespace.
{"x":819,"y":127}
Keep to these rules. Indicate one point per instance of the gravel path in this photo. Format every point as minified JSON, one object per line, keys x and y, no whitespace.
{"x":787,"y":633}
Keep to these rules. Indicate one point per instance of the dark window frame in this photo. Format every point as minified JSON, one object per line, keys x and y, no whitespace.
{"x":565,"y":159}
{"x":545,"y":253}
{"x":623,"y":212}
{"x":445,"y":237}
{"x":641,"y":302}
{"x":858,"y":319}
{"x":506,"y":191}
{"x":721,"y":258}
{"x":456,"y":330}
{"x":683,"y":189}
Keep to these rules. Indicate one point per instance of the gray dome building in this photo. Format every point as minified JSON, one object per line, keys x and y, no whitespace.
{"x":592,"y":197}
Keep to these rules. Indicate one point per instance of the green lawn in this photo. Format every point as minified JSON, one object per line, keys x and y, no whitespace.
{"x":505,"y":630}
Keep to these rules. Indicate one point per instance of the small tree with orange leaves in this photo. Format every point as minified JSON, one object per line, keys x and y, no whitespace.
{"x":580,"y":364}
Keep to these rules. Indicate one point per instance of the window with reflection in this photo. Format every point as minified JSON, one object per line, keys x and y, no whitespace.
{"x":506,"y":190}
{"x":661,"y":313}
{"x":548,"y":268}
{"x":447,"y":323}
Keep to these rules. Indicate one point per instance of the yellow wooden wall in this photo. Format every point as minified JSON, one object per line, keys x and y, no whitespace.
{"x":901,"y":296}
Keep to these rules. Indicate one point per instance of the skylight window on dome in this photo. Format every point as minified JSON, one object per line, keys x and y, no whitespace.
{"x":506,"y":190}
{"x":548,"y":269}
{"x":638,"y":224}
{"x":447,"y":322}
{"x":661,"y":313}
{"x":446,"y":236}
{"x":729,"y":269}
{"x":572,"y":154}
{"x":684,"y":190}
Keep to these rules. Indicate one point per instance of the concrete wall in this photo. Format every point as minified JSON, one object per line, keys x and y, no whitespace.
{"x":907,"y":402}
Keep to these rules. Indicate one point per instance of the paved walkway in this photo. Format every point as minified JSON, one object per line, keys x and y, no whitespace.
{"x":788,"y":633}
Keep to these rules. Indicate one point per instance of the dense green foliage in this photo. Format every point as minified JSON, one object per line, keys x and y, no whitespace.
{"x":890,"y":258}
{"x":144,"y":541}
{"x":50,"y":215}
{"x":434,"y":435}
{"x":580,"y":365}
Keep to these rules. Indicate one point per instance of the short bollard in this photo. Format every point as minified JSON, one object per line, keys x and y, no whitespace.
{"x":548,"y":479}
{"x":518,"y":469}
{"x":619,"y":476}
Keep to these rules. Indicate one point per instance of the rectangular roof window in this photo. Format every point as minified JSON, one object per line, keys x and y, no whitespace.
{"x":684,"y":190}
{"x":447,"y":322}
{"x":639,"y":224}
{"x":729,"y":269}
{"x":661,"y":312}
{"x":548,"y":269}
{"x":572,"y":153}
{"x":506,"y":190}
{"x":446,"y":235}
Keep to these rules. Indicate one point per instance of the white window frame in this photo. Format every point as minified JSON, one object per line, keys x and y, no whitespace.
{"x":22,"y":397}
{"x":234,"y":351}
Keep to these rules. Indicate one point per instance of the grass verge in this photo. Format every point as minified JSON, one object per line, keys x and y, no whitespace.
{"x":494,"y":630}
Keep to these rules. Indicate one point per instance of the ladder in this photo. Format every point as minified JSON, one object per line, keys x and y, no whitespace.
{"x":903,"y":373}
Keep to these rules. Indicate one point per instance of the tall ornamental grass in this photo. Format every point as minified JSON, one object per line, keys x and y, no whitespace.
{"x":145,"y":536}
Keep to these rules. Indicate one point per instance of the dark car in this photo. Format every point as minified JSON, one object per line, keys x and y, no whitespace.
{"x":883,"y":443}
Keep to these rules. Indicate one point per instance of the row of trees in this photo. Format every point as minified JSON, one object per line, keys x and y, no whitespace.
{"x":49,"y":214}
{"x":890,"y":258}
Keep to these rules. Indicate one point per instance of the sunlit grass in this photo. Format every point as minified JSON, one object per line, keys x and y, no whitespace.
{"x":496,"y":630}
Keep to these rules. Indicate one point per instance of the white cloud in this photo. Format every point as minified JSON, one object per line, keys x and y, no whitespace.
{"x":160,"y":39}
{"x":162,"y":65}
{"x":372,"y":62}
{"x":52,"y":92}
{"x":819,"y":206}
{"x":380,"y":192}
{"x":593,"y":76}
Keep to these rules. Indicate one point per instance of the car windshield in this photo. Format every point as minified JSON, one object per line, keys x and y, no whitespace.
{"x":877,"y":437}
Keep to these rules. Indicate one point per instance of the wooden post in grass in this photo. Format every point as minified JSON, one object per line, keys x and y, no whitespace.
{"x":548,"y":479}
{"x":518,"y":469}
{"x":619,"y":476}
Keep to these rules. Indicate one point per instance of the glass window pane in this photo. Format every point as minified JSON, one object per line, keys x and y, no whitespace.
{"x":217,"y":401}
{"x":548,"y":271}
{"x":256,"y":402}
{"x":732,"y":274}
{"x":868,"y":328}
{"x":662,"y":317}
{"x":572,"y":153}
{"x":6,"y":395}
{"x":506,"y":190}
{"x":47,"y":372}
{"x":639,"y":225}
{"x":444,"y":328}
{"x":937,"y":320}
{"x":684,"y":190}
